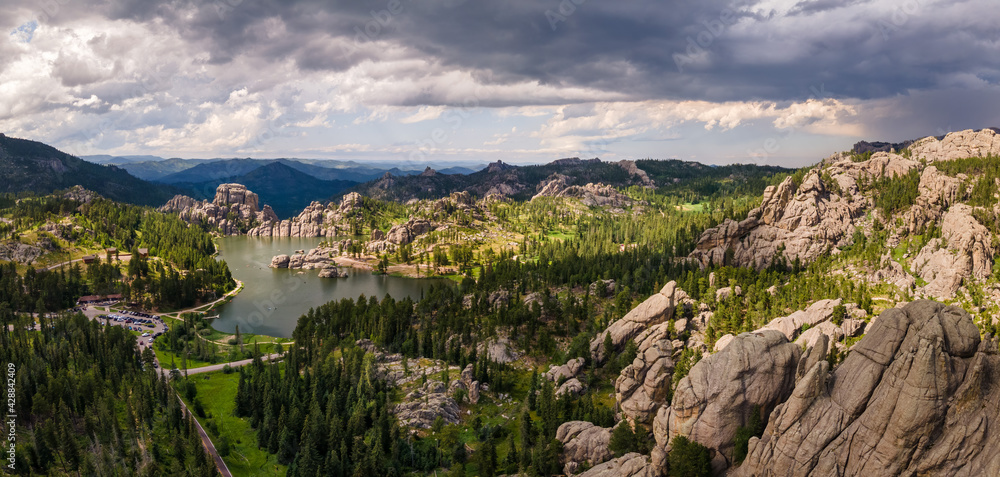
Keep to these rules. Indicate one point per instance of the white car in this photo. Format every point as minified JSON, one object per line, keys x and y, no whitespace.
{"x":145,"y":335}
{"x":150,"y":340}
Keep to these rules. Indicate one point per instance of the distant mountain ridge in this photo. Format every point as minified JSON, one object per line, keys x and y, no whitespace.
{"x":523,"y":182}
{"x":27,"y":165}
{"x":175,"y":170}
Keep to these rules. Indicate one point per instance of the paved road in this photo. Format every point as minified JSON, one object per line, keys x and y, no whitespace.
{"x":234,"y":364}
{"x":206,"y":441}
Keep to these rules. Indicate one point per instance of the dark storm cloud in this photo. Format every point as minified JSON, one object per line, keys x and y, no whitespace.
{"x":646,"y":49}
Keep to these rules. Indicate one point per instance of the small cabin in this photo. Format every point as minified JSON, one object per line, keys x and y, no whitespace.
{"x":88,"y":259}
{"x":144,"y":252}
{"x":111,"y":250}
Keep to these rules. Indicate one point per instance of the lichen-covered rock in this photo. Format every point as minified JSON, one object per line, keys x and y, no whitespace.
{"x":916,"y":396}
{"x":643,"y":386}
{"x":571,"y":369}
{"x":805,"y":221}
{"x":957,"y":145}
{"x":655,"y":310}
{"x":233,"y":208}
{"x":969,"y":254}
{"x":280,"y":261}
{"x":815,"y":314}
{"x":330,"y":270}
{"x":403,"y":234}
{"x":572,"y":387}
{"x":720,"y":392}
{"x":628,"y":465}
{"x":423,"y":406}
{"x":582,"y":443}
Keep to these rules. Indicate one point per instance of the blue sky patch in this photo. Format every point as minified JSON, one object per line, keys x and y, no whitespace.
{"x":25,"y":32}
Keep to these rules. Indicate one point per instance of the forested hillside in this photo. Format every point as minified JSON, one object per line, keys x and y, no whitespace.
{"x":29,"y":166}
{"x":87,"y":402}
{"x":69,"y":225}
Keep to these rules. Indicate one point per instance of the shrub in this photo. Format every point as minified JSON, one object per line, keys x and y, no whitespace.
{"x":623,"y":440}
{"x":839,"y":312}
{"x":754,"y":428}
{"x":688,"y":459}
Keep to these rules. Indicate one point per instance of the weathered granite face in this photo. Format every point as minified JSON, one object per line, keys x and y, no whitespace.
{"x":915,"y":396}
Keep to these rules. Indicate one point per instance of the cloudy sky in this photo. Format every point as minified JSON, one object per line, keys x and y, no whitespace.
{"x":774,"y":81}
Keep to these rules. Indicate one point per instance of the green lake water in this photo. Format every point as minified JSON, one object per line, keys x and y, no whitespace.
{"x":272,"y":300}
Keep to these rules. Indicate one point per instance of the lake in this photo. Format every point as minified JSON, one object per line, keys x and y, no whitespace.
{"x":272,"y":300}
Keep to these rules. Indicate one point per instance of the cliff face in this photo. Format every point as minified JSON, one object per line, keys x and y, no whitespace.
{"x":233,"y":209}
{"x":805,"y":220}
{"x":914,"y":396}
{"x":821,"y":215}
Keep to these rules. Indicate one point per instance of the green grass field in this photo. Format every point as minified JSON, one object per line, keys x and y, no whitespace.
{"x":164,"y":357}
{"x":217,"y":392}
{"x":689,"y":207}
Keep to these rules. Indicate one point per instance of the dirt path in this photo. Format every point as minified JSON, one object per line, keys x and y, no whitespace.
{"x":122,"y":257}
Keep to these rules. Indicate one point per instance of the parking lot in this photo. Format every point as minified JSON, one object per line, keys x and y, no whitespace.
{"x":148,"y":325}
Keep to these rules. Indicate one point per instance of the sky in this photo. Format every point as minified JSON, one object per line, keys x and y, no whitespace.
{"x":415,"y":81}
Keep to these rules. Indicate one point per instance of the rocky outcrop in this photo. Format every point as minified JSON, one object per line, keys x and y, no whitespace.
{"x":969,"y":254}
{"x":602,"y":288}
{"x":892,"y":272}
{"x":628,"y":465}
{"x":591,"y":195}
{"x":655,"y":310}
{"x":423,"y":406}
{"x":569,"y":370}
{"x":314,"y":221}
{"x":632,"y":169}
{"x":499,"y":350}
{"x":720,"y":392}
{"x":330,"y":270}
{"x":403,"y":234}
{"x":791,"y":325}
{"x":233,"y":209}
{"x":915,"y":396}
{"x":280,"y":261}
{"x":801,"y":222}
{"x":936,"y":193}
{"x":957,"y":145}
{"x":583,"y":443}
{"x":644,"y":385}
{"x":572,"y":387}
{"x":20,"y":253}
{"x":79,"y":194}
